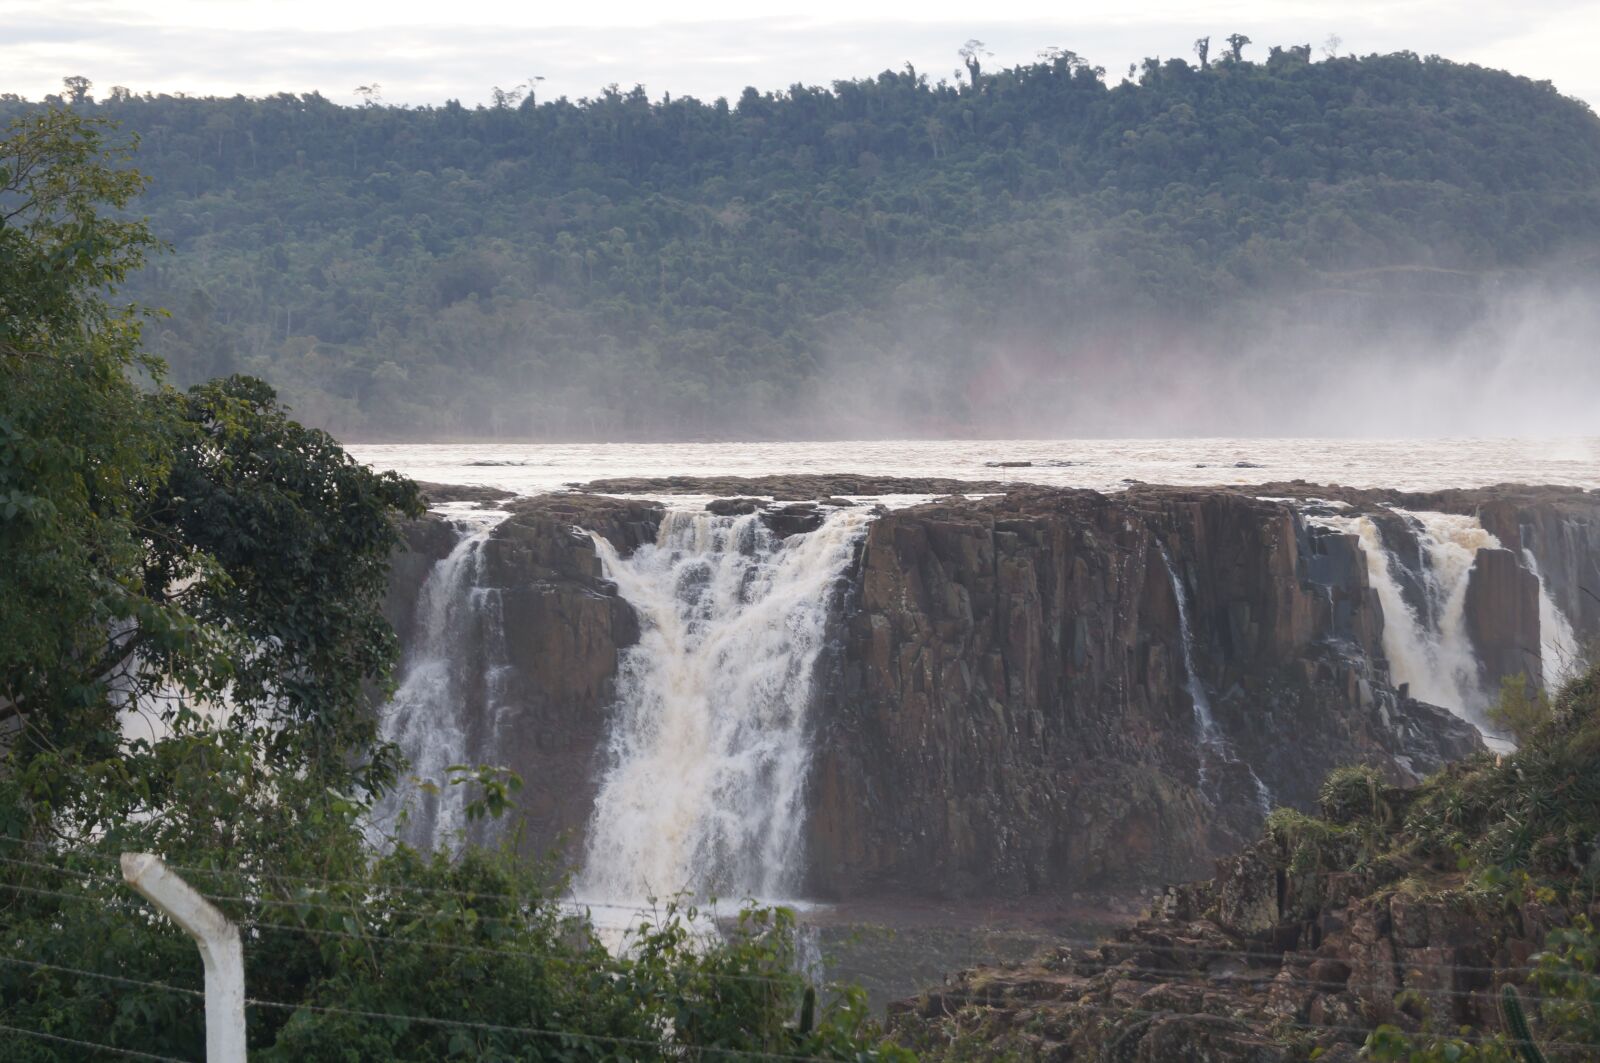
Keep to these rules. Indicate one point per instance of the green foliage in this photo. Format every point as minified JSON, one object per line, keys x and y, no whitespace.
{"x":1521,"y":708}
{"x":203,"y":561}
{"x":413,"y":956}
{"x":73,"y":430}
{"x":683,"y":266}
{"x":1389,"y":1044}
{"x":1355,"y":793}
{"x":1516,"y":1024}
{"x":1312,"y":845}
{"x":1567,"y":980}
{"x":295,"y":538}
{"x":1524,"y":827}
{"x":1538,"y":811}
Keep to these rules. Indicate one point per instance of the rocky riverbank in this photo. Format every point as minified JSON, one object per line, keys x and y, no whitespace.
{"x":1403,"y":907}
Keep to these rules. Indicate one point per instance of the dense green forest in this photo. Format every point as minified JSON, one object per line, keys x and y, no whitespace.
{"x":190,"y":638}
{"x":626,"y":267}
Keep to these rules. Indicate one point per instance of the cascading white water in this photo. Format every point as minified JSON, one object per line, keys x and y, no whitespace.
{"x":709,"y":749}
{"x":1211,"y":737}
{"x":1433,"y":654}
{"x":1450,"y":543}
{"x":1415,"y":651}
{"x":429,"y":717}
{"x":1559,"y":651}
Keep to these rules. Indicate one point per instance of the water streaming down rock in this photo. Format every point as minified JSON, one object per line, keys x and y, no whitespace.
{"x":1430,"y":648}
{"x":453,"y":667}
{"x":1560,"y":654}
{"x":1212,"y":739}
{"x":1450,"y":543}
{"x":1427,"y":648}
{"x":710,"y":745}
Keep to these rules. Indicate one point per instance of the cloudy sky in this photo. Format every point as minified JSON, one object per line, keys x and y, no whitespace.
{"x":430,"y":52}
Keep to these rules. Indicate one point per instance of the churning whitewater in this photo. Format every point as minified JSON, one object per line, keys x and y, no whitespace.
{"x":1429,"y":648}
{"x":458,"y":650}
{"x":709,"y":746}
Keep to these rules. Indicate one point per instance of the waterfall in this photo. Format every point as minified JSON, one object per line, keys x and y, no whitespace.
{"x":1430,"y":653}
{"x":1559,"y":651}
{"x":1205,"y":722}
{"x":1450,"y":544}
{"x":1211,"y":737}
{"x":1418,"y":655}
{"x":455,"y":658}
{"x":709,"y":747}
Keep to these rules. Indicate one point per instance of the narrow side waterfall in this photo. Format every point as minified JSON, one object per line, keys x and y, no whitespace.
{"x":1212,"y":739}
{"x":1559,"y":650}
{"x":1205,"y":722}
{"x":434,"y":713}
{"x":710,"y":745}
{"x":1431,"y":653}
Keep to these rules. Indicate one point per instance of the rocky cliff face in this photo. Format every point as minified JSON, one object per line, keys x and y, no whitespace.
{"x":1257,"y":965}
{"x":1009,"y":703}
{"x":1013,"y":710}
{"x":562,"y":626}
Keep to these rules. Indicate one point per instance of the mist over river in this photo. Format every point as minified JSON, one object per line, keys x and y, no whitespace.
{"x":1102,"y":464}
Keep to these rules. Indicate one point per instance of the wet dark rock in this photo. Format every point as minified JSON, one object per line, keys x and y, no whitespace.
{"x":562,"y":627}
{"x":627,"y":523}
{"x":1010,"y":710}
{"x":1008,"y":464}
{"x":423,"y":543}
{"x":730,"y":507}
{"x":439,"y":494}
{"x":796,"y":519}
{"x":1502,"y":615}
{"x":1558,"y":525}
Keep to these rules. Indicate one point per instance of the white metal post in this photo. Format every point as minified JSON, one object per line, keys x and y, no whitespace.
{"x":220,"y":950}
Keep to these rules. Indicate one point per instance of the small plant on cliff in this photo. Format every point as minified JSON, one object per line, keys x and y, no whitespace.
{"x":1356,"y":793}
{"x":1521,"y":709}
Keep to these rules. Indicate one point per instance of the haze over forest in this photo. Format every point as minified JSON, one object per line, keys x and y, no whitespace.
{"x":1257,"y":241}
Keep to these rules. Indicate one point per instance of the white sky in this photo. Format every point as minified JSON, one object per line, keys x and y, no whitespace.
{"x":429,"y":52}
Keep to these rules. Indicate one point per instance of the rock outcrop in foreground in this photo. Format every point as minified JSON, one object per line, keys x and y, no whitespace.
{"x":1008,"y":702}
{"x":1408,"y":908}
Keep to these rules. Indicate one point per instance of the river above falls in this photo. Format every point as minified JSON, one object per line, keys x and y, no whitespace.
{"x":1102,"y":464}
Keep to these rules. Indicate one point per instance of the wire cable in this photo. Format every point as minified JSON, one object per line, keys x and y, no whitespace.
{"x":131,"y":1053}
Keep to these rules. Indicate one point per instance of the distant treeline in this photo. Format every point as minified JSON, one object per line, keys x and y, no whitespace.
{"x":619,"y":266}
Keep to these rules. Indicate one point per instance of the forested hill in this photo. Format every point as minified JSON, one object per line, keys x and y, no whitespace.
{"x":889,"y":252}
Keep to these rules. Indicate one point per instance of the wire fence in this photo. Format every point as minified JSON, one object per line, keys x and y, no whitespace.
{"x":1174,"y":949}
{"x":1074,"y":992}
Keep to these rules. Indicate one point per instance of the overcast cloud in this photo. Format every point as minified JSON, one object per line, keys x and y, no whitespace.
{"x":427,"y":53}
